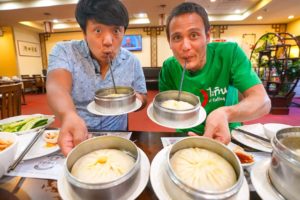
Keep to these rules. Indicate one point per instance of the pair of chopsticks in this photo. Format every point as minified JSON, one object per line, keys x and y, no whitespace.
{"x":22,"y":155}
{"x":253,"y":135}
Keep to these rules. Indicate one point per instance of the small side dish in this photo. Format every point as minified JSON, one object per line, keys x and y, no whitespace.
{"x":50,"y":137}
{"x":4,"y":144}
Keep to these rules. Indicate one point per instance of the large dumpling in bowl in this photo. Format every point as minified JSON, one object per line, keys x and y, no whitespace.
{"x":102,"y":166}
{"x":203,"y":169}
{"x":115,"y":95}
{"x":176,"y":105}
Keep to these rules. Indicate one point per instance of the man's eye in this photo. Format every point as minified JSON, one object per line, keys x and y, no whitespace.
{"x":117,"y":31}
{"x":194,"y":35}
{"x":176,"y":38}
{"x":97,"y":30}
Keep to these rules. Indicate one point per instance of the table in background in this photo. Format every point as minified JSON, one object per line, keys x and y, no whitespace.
{"x":12,"y":188}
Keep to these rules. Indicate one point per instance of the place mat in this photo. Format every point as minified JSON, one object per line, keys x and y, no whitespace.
{"x":51,"y":166}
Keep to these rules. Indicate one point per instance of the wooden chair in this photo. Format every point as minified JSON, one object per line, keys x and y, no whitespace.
{"x":10,"y":100}
{"x":39,"y":83}
{"x":25,"y":76}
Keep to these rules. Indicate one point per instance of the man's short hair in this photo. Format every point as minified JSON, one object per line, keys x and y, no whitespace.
{"x":108,"y":12}
{"x":188,"y":7}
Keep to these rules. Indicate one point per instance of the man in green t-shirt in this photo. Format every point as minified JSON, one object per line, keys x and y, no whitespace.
{"x":215,"y":71}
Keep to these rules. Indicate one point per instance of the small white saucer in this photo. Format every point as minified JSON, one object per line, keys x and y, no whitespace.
{"x":66,"y":192}
{"x":202,"y":116}
{"x":158,"y":173}
{"x":91,"y":109}
{"x":261,"y":182}
{"x":233,"y":146}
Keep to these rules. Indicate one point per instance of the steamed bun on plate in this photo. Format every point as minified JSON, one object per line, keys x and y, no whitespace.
{"x":203,"y":169}
{"x":102,"y":166}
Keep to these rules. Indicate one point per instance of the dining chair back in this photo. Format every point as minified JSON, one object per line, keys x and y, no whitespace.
{"x":10,"y":100}
{"x":25,"y":76}
{"x":39,"y":83}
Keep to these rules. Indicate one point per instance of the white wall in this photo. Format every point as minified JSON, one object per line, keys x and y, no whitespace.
{"x":163,"y":49}
{"x":235,"y":34}
{"x":27,"y":64}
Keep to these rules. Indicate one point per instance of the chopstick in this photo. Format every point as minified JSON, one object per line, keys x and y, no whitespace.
{"x":22,"y":155}
{"x":253,"y":135}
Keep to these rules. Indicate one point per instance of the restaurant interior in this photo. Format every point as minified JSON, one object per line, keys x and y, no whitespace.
{"x":268,"y":31}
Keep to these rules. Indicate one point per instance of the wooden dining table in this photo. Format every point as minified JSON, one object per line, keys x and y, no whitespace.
{"x":13,"y":188}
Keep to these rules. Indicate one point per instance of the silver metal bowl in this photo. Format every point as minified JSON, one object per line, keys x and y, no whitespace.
{"x":284,"y":171}
{"x":172,"y":117}
{"x":179,"y":190}
{"x":111,"y":190}
{"x":110,"y":105}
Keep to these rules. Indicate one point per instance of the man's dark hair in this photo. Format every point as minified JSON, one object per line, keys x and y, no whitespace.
{"x":108,"y":12}
{"x":188,"y":7}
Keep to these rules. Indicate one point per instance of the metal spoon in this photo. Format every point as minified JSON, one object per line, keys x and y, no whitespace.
{"x":181,"y":81}
{"x":112,"y":75}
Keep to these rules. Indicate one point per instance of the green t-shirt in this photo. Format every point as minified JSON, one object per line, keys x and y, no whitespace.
{"x":227,"y":71}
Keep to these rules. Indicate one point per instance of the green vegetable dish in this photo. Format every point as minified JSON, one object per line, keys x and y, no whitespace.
{"x":24,"y":124}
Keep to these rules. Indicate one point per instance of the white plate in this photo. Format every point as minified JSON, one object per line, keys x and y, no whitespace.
{"x":252,"y":142}
{"x":91,"y":109}
{"x":66,"y":191}
{"x":202,"y":116}
{"x":21,"y":117}
{"x":261,"y":182}
{"x":39,"y":148}
{"x":157,"y":174}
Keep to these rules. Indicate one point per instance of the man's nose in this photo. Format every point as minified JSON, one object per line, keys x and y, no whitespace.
{"x":186,"y":44}
{"x":107,"y":39}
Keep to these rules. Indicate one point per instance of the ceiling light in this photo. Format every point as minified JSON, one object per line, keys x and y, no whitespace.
{"x":259,"y":18}
{"x":140,"y":15}
{"x":139,"y":21}
{"x":291,"y":17}
{"x":237,"y":11}
{"x":212,"y":1}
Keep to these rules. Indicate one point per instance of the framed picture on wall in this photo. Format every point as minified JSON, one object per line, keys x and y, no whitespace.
{"x":28,"y":48}
{"x":132,"y":42}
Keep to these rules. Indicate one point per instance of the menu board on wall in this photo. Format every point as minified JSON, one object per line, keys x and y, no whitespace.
{"x":29,"y":48}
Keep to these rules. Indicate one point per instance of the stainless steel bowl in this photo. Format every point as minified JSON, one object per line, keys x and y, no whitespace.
{"x":284,"y":171}
{"x":172,"y":117}
{"x":179,"y":190}
{"x":116,"y":189}
{"x":111,"y":105}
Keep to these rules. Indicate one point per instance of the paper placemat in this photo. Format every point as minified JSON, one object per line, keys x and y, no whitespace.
{"x":51,"y":166}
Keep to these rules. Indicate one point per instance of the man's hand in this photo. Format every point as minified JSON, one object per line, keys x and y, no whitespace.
{"x":72,"y":132}
{"x":216,"y":126}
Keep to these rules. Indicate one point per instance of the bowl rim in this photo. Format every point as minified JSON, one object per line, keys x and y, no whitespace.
{"x":158,"y":105}
{"x":129,"y":94}
{"x":102,"y":185}
{"x":282,"y":150}
{"x":205,"y":193}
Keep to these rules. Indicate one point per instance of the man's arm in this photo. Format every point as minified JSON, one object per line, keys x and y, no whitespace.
{"x":73,"y":129}
{"x":255,"y":103}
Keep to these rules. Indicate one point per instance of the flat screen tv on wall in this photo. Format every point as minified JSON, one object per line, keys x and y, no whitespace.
{"x":132,"y":42}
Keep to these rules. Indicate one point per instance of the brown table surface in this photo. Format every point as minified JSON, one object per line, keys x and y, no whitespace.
{"x":12,"y":188}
